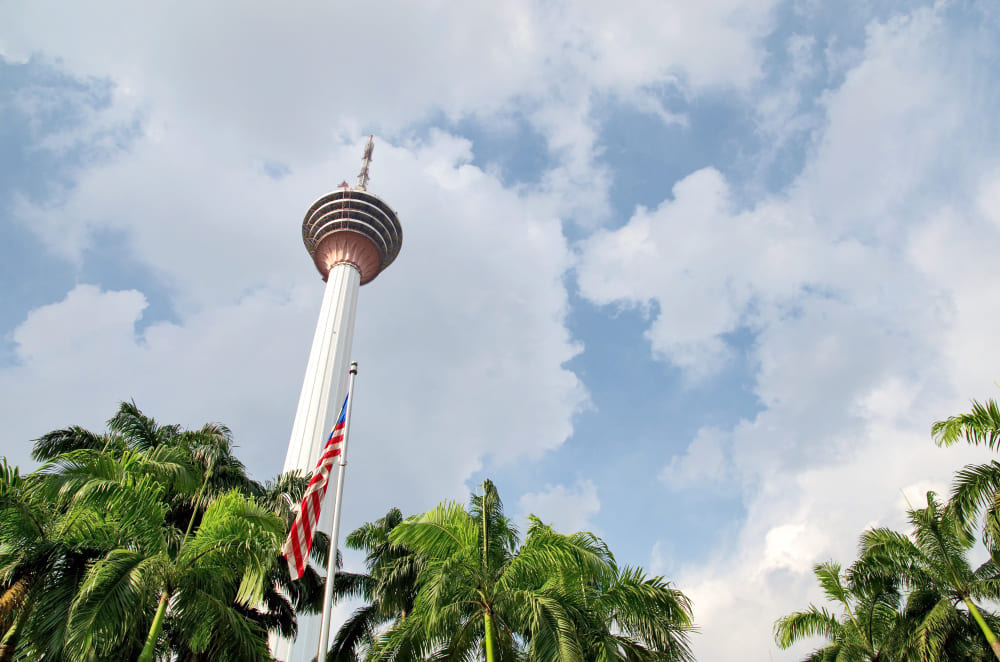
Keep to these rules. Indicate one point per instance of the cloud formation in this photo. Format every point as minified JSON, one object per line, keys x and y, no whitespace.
{"x":860,"y":306}
{"x":567,"y":509}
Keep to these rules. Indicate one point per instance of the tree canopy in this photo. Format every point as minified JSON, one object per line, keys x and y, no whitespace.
{"x":145,"y":541}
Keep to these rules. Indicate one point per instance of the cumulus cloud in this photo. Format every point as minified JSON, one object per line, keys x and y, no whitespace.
{"x":98,"y":322}
{"x":797,"y":519}
{"x":269,"y":83}
{"x":568,"y":509}
{"x":860,"y":285}
{"x":837,"y":314}
{"x":480,"y":56}
{"x":709,"y":267}
{"x":78,"y":357}
{"x":704,"y":463}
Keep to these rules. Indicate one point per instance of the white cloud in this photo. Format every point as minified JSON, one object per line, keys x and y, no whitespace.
{"x":659,"y":559}
{"x":709,"y":267}
{"x":703,"y":464}
{"x":568,"y":509}
{"x":865,"y":286}
{"x":955,"y":252}
{"x":97,"y":322}
{"x":79,"y":357}
{"x":455,"y":57}
{"x":892,"y":125}
{"x":798,"y":519}
{"x":271,"y":83}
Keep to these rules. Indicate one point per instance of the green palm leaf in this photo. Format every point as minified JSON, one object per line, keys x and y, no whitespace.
{"x":116,"y":589}
{"x":979,"y":426}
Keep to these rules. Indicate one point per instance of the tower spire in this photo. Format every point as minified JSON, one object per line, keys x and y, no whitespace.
{"x":365,"y":162}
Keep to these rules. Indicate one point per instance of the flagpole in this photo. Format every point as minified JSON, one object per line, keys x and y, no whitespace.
{"x":331,"y":564}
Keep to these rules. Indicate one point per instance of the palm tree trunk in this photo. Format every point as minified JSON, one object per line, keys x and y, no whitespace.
{"x":161,"y":609}
{"x":194,"y":510}
{"x":990,"y":637}
{"x":154,"y":630}
{"x":488,"y":634}
{"x":10,"y":638}
{"x":487,"y":616}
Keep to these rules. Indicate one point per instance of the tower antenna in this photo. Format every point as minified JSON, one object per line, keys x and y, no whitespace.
{"x":365,"y":162}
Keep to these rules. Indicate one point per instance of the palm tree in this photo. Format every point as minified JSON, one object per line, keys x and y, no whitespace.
{"x":479,"y":590}
{"x":931,"y":628}
{"x":935,"y":562}
{"x":209,"y":449}
{"x":862,"y":633}
{"x":638,"y":618}
{"x":878,"y":621}
{"x":979,"y":426}
{"x":977,"y":487}
{"x":30,"y":549}
{"x":389,"y":588}
{"x":192,"y":544}
{"x":50,"y":538}
{"x":198,"y":572}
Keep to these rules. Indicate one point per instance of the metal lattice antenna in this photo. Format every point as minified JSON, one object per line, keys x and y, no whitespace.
{"x":365,"y":162}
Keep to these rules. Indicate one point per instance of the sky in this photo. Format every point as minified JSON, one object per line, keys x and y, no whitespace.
{"x":697,"y":277}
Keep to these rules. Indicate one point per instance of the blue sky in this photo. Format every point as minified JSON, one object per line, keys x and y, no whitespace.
{"x":695,"y":276}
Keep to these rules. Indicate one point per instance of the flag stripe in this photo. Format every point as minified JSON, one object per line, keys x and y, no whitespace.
{"x":300,"y":538}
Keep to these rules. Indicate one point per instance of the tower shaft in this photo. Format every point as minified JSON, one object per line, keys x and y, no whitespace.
{"x":325,"y":381}
{"x":326,"y":371}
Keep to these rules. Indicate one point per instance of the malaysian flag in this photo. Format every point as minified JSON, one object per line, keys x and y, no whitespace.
{"x":300,"y":538}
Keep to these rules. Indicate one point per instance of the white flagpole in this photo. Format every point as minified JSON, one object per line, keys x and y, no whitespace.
{"x":331,"y":564}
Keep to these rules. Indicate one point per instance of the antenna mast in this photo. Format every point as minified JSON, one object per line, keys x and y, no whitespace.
{"x":365,"y":162}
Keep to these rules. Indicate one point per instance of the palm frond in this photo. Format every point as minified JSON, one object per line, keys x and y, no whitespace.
{"x":357,"y":631}
{"x":439,"y":533}
{"x":216,"y":630}
{"x":975,"y":489}
{"x":980,"y":426}
{"x":934,"y":629}
{"x":552,"y":627}
{"x":139,"y":431}
{"x":57,"y":442}
{"x":116,"y":589}
{"x":545,"y":551}
{"x":649,"y":609}
{"x":814,"y":621}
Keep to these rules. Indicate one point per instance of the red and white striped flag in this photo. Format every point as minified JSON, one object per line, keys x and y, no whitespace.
{"x":300,"y":538}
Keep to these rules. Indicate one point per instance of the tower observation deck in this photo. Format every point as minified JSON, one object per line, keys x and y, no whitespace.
{"x":352,"y":225}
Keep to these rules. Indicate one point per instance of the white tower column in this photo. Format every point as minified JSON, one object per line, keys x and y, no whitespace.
{"x":326,"y":372}
{"x":326,"y":375}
